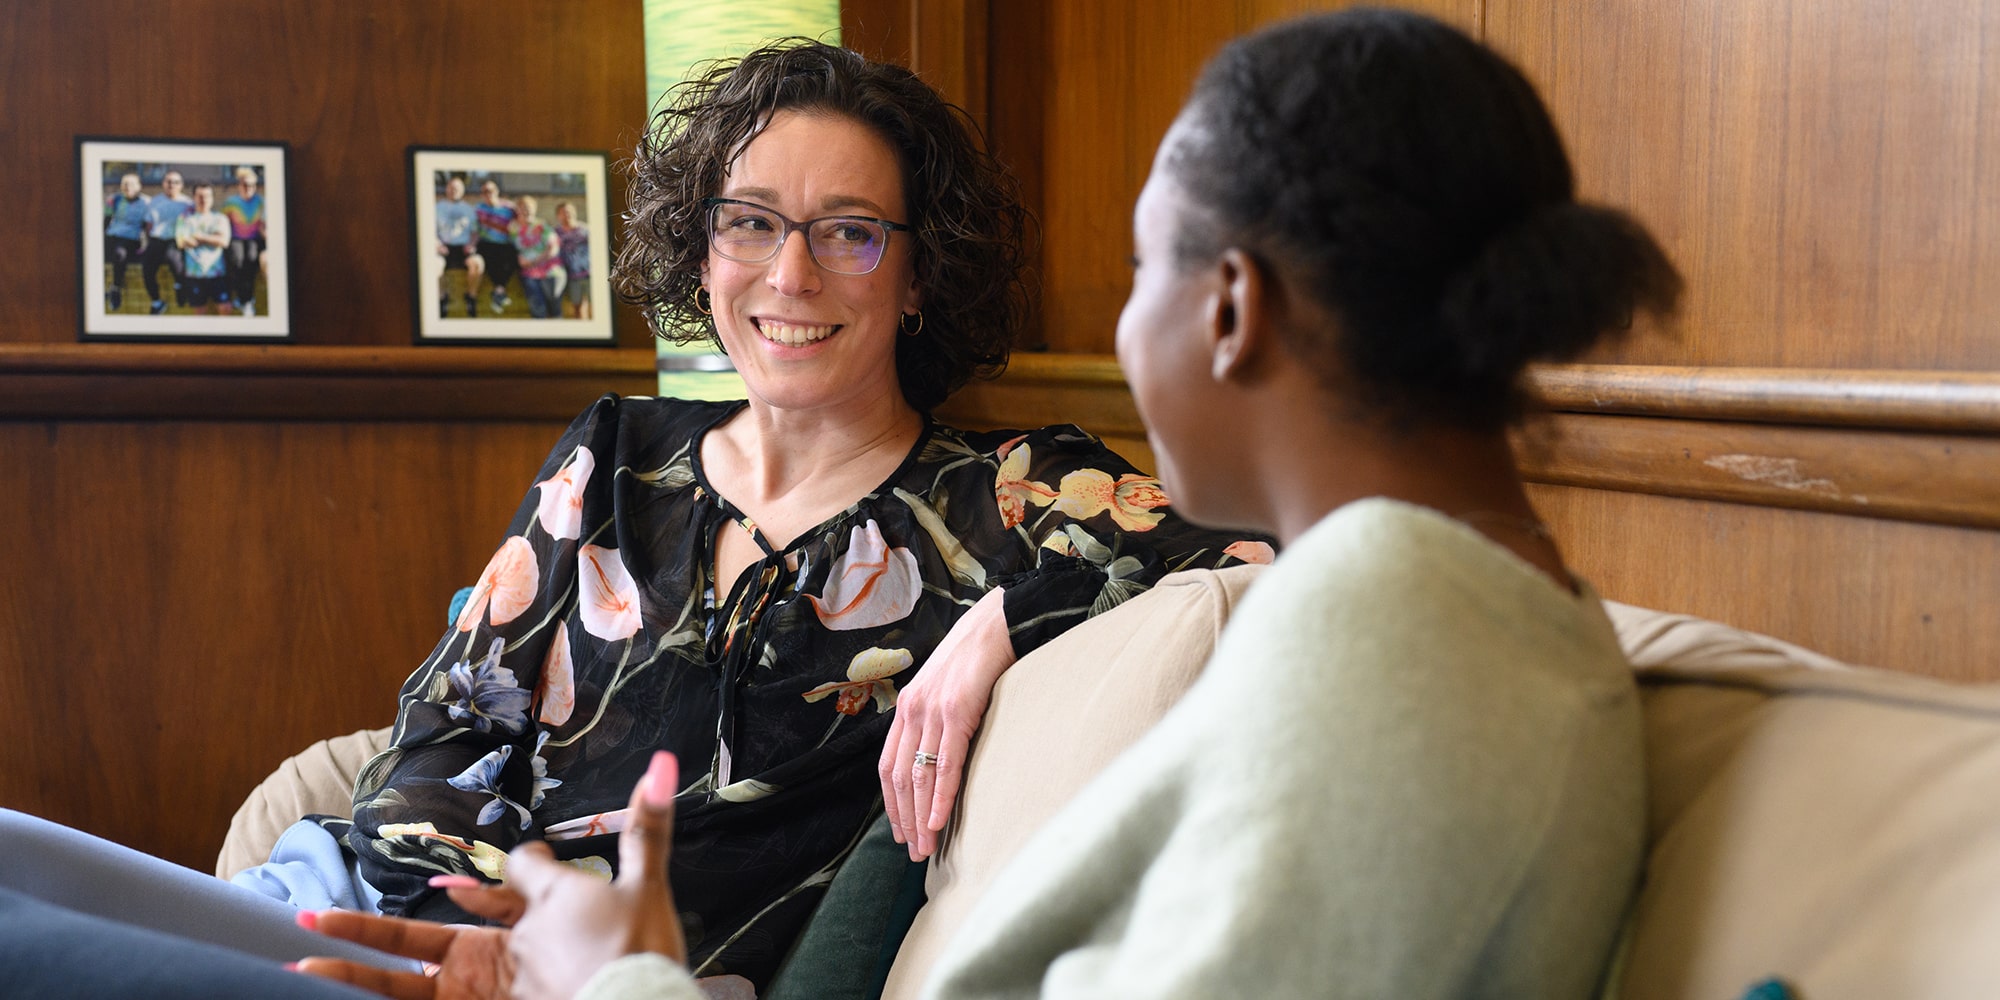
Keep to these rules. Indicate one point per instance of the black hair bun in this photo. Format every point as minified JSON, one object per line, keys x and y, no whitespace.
{"x":1549,"y":288}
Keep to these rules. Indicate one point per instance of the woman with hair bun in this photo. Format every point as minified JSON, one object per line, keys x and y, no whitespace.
{"x":1419,"y":771}
{"x":1411,"y":767}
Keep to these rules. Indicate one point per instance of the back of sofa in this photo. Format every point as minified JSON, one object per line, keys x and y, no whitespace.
{"x":1834,"y":827}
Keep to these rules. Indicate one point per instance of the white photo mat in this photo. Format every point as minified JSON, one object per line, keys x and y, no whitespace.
{"x":425,"y":166}
{"x":273,"y":318}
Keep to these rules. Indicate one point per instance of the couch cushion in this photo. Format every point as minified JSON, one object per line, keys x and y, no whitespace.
{"x":1834,"y":826}
{"x":318,"y":780}
{"x":1056,"y":719}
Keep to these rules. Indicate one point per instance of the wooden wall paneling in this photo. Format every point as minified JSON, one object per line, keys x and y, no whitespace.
{"x":950,"y":51}
{"x":1173,"y":50}
{"x":347,"y":85}
{"x":186,"y":604}
{"x":1115,"y":76}
{"x":1963,"y":402}
{"x":878,"y":29}
{"x":1822,"y":173}
{"x":1087,"y":390}
{"x":1912,"y":597}
{"x":945,"y":42}
{"x":1946,"y":479}
{"x":1017,"y":96}
{"x":1081,"y":113}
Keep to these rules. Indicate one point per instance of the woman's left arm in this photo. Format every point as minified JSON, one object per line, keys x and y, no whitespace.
{"x":936,"y":715}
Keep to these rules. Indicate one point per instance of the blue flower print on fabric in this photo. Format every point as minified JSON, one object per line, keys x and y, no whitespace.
{"x":484,"y":777}
{"x":541,"y":769}
{"x":487,"y":695}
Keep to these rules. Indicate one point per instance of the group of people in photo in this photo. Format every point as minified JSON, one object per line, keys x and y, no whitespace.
{"x":200,"y":248}
{"x":212,"y":252}
{"x":494,"y":240}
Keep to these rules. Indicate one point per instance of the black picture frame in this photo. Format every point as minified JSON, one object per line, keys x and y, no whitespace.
{"x":456,"y":300}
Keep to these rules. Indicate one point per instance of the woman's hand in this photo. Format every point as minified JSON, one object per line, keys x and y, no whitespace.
{"x":936,"y":715}
{"x":566,"y":923}
{"x":574,"y":923}
{"x":464,"y":963}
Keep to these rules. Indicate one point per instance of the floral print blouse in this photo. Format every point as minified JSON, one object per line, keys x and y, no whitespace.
{"x":595,"y":636}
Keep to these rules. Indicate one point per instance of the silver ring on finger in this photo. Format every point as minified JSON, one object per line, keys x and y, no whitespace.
{"x":926,"y":759}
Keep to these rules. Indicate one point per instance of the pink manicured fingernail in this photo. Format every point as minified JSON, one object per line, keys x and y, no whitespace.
{"x":663,"y":778}
{"x":454,"y":882}
{"x":308,"y":919}
{"x":291,"y":966}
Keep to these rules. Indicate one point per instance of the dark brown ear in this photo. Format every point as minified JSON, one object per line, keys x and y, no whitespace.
{"x":1239,"y":316}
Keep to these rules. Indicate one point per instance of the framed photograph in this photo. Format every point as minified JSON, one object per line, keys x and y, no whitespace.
{"x":183,"y":240}
{"x":512,"y":247}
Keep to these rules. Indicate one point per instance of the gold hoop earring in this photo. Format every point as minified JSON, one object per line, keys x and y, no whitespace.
{"x":903,"y":324}
{"x":704,"y":308}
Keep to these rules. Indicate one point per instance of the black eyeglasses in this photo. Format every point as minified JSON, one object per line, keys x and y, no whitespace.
{"x":752,"y":234}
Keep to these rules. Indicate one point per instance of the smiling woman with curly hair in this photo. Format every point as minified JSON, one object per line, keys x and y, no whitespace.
{"x":806,"y":595}
{"x":966,"y":218}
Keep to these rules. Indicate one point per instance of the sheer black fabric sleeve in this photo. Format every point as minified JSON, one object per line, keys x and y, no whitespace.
{"x":454,"y":791}
{"x":1102,"y":532}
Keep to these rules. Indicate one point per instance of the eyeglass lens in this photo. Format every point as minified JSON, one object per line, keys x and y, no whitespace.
{"x":840,"y":244}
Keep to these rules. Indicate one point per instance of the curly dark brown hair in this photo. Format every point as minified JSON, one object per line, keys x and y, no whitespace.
{"x":965,"y":209}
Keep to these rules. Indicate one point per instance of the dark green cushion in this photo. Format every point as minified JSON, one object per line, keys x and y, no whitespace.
{"x":851,"y":940}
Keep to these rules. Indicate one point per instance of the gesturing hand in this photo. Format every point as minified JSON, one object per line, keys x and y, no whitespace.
{"x":936,"y":715}
{"x":468,"y":963}
{"x":566,"y":923}
{"x":574,"y":923}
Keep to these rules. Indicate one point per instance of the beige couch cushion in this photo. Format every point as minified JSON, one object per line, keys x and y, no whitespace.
{"x":1836,"y":827}
{"x":319,"y":780}
{"x":1057,"y":718}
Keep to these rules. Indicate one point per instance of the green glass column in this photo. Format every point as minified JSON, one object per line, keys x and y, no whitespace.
{"x":679,"y":35}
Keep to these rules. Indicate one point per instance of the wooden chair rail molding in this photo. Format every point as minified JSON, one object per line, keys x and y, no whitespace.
{"x":1914,"y":446}
{"x":300,"y":382}
{"x":1951,"y":402}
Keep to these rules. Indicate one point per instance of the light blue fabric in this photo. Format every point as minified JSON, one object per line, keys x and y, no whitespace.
{"x":455,"y":223}
{"x":127,"y":215}
{"x":162,"y":212}
{"x":309,"y":870}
